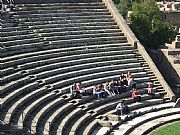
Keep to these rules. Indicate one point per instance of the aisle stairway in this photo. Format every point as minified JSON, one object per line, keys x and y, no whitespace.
{"x":45,"y":48}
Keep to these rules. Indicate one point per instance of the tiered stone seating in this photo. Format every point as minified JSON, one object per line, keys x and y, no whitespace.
{"x":45,"y":48}
{"x":151,"y":110}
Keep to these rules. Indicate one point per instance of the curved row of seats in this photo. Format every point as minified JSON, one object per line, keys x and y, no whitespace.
{"x":48,"y":47}
{"x":148,"y":113}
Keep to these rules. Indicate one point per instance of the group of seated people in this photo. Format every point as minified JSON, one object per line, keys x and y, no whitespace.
{"x":114,"y":87}
{"x":123,"y":109}
{"x":10,"y":6}
{"x":137,"y":97}
{"x":120,"y":85}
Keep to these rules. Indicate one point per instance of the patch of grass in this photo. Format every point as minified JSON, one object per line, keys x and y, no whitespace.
{"x":170,"y":129}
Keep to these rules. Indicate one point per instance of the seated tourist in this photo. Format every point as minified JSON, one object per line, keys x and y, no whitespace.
{"x":104,"y":93}
{"x":135,"y":96}
{"x":107,"y":89}
{"x":123,"y":83}
{"x":97,"y":92}
{"x":79,"y":90}
{"x":112,"y":87}
{"x":150,"y":89}
{"x":116,"y":86}
{"x":122,"y":108}
{"x":73,"y":88}
{"x":131,"y":83}
{"x":129,"y":75}
{"x":122,"y":76}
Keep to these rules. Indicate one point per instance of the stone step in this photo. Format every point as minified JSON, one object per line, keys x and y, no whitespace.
{"x":63,"y":43}
{"x":44,"y":111}
{"x":108,"y":70}
{"x":60,"y":14}
{"x":15,"y":109}
{"x":79,"y":21}
{"x":12,"y":77}
{"x":66,"y":37}
{"x":18,"y":73}
{"x":32,"y":107}
{"x":78,"y":123}
{"x":45,"y":55}
{"x":85,"y":66}
{"x":55,"y":115}
{"x":10,"y":97}
{"x":8,"y":87}
{"x":96,"y":78}
{"x":59,"y":25}
{"x":88,"y":130}
{"x":65,"y":3}
{"x":152,"y":119}
{"x":7,"y":71}
{"x":146,"y":102}
{"x":26,"y":48}
{"x":88,"y":41}
{"x":147,"y":107}
{"x":21,"y":12}
{"x":8,"y":27}
{"x":53,"y":7}
{"x":82,"y":28}
{"x":94,"y":31}
{"x":160,"y":122}
{"x":63,"y":18}
{"x":8,"y":32}
{"x":64,"y":124}
{"x":19,"y":42}
{"x":49,"y":67}
{"x":83,"y":58}
{"x":86,"y":117}
{"x":20,"y":37}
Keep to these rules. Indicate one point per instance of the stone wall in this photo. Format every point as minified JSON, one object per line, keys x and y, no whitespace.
{"x":165,"y":65}
{"x":135,"y":42}
{"x":173,"y":17}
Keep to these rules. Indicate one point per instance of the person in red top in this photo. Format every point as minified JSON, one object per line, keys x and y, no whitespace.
{"x":135,"y":96}
{"x":79,"y":90}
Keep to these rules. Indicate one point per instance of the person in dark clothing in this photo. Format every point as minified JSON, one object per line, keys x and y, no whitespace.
{"x":122,"y":108}
{"x":1,"y":5}
{"x":11,"y":4}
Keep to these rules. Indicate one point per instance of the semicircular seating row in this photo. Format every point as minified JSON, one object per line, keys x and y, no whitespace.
{"x":46,"y":48}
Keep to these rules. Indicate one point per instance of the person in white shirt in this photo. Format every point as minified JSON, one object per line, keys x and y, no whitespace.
{"x":97,"y":92}
{"x":122,"y":108}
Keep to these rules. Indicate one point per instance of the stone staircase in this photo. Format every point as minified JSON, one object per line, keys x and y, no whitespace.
{"x":45,"y":48}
